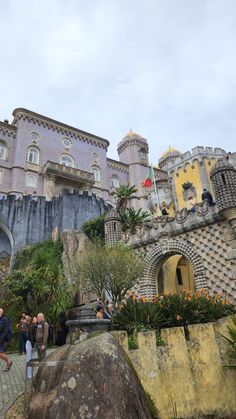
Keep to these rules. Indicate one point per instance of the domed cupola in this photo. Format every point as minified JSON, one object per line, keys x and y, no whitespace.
{"x":223,"y":178}
{"x":133,"y":148}
{"x":168,"y":156}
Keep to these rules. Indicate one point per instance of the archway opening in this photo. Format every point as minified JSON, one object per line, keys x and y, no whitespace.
{"x":6,"y":245}
{"x":175,"y":275}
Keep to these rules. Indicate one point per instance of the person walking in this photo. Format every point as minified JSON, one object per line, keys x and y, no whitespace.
{"x":23,"y":325}
{"x":30,"y":343}
{"x":4,"y":325}
{"x":41,"y":338}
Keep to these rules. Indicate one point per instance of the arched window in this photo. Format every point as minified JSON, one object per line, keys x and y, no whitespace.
{"x":31,"y":180}
{"x":96,"y":173}
{"x":67,"y":160}
{"x":143,"y":154}
{"x":33,"y":155}
{"x":3,"y":151}
{"x":1,"y":176}
{"x":115,"y":183}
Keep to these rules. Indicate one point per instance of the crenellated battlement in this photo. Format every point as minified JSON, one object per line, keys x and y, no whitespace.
{"x":186,"y":375}
{"x":197,"y":153}
{"x":31,"y":219}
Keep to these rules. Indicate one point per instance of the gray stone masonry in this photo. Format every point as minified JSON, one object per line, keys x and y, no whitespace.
{"x":31,"y":220}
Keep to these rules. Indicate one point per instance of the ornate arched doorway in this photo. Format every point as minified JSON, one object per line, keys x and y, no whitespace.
{"x":157,"y":256}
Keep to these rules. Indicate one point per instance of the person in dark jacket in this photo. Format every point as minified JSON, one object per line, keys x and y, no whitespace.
{"x":207,"y":196}
{"x":23,"y":327}
{"x":30,"y":343}
{"x":3,"y":333}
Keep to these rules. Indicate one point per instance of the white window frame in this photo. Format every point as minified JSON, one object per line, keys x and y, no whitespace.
{"x":67,"y":145}
{"x":67,"y":156}
{"x":3,"y":153}
{"x":115,"y":182}
{"x":1,"y":176}
{"x":143,"y":154}
{"x":33,"y":155}
{"x":28,"y":181}
{"x":96,"y":173}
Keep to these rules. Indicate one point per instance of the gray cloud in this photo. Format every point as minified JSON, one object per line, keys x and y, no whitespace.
{"x":165,"y":69}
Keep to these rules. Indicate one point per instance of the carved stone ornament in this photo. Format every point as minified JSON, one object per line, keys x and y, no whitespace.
{"x":181,"y":216}
{"x":202,"y":208}
{"x":189,"y":191}
{"x":125,"y":236}
{"x":165,"y":244}
{"x":140,"y":231}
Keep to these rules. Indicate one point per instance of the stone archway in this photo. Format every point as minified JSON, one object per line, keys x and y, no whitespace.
{"x":160,"y":253}
{"x":5,"y":229}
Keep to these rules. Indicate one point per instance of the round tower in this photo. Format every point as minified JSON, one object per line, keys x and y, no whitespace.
{"x":133,"y":151}
{"x":223,"y":178}
{"x":112,"y":228}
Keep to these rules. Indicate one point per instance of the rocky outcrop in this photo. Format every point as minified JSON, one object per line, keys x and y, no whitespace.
{"x":96,"y":381}
{"x":75,"y":245}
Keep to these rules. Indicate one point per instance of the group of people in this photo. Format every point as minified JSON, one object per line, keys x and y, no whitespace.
{"x":206,"y":196}
{"x":33,"y":336}
{"x":104,"y":311}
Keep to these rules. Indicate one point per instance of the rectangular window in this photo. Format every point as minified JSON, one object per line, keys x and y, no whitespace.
{"x":1,"y":176}
{"x":179,"y":276}
{"x":31,"y":180}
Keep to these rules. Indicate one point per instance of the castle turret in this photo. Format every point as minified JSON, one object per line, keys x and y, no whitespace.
{"x":223,"y":178}
{"x":112,"y":228}
{"x":133,"y":151}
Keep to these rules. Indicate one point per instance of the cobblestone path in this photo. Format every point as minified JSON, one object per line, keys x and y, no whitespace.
{"x":11,"y":382}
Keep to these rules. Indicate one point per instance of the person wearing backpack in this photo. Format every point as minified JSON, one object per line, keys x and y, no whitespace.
{"x":5,"y":331}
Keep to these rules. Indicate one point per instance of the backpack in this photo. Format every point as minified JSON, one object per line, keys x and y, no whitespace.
{"x":9,"y":331}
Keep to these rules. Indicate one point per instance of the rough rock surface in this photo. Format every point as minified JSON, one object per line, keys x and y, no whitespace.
{"x":97,"y":381}
{"x":75,"y":245}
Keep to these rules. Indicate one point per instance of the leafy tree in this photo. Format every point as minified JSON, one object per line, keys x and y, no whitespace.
{"x":123,"y":194}
{"x":113,"y":270}
{"x":131,"y":218}
{"x":94,"y":229}
{"x":37,"y":282}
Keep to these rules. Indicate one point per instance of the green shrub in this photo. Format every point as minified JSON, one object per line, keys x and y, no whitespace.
{"x":94,"y":229}
{"x":37,"y":283}
{"x":170,"y":311}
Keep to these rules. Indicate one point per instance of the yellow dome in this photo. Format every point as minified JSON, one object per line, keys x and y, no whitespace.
{"x":171,"y":150}
{"x":133,"y":134}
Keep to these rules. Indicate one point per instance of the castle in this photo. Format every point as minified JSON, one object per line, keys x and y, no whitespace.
{"x":41,"y":157}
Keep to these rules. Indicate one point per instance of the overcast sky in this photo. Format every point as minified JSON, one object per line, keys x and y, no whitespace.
{"x":164,"y":68}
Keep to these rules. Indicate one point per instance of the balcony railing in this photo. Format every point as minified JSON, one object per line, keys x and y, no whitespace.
{"x":60,"y":170}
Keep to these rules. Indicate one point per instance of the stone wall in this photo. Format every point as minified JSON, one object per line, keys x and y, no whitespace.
{"x":189,"y":376}
{"x":204,"y":238}
{"x":32,"y":220}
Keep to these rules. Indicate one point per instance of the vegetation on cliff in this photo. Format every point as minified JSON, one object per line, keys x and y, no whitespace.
{"x":37,"y":282}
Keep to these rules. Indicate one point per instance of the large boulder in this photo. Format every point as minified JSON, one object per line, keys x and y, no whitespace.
{"x":96,"y":380}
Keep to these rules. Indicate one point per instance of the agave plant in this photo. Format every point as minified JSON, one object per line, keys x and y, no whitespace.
{"x":232,"y":340}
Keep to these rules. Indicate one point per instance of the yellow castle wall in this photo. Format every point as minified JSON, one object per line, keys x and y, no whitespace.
{"x":190,"y":173}
{"x":187,"y":375}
